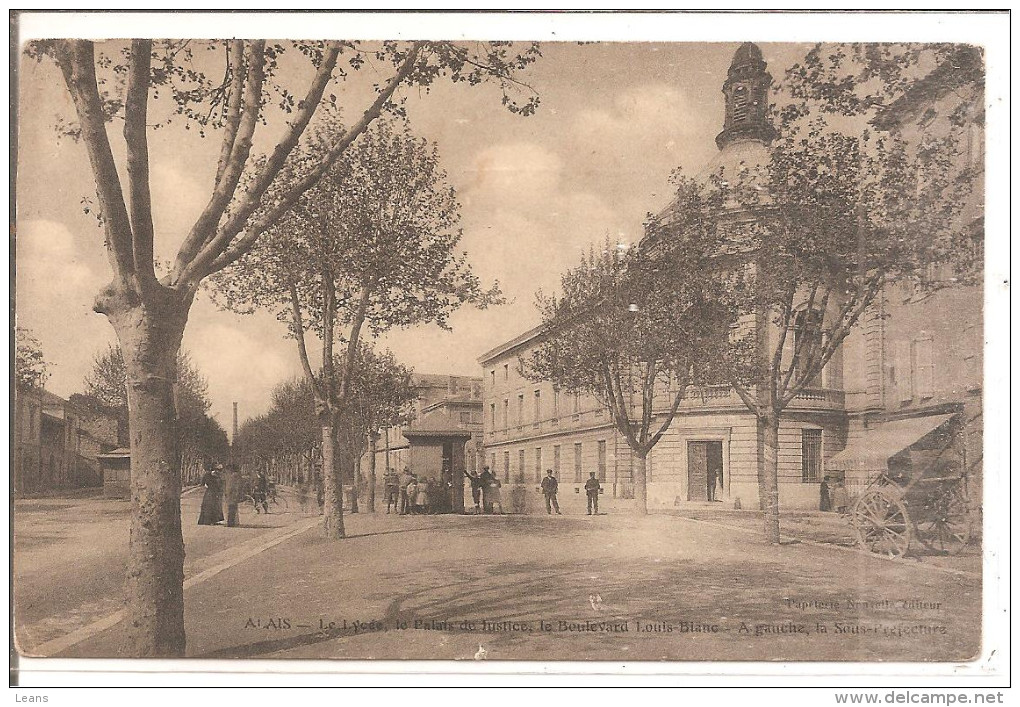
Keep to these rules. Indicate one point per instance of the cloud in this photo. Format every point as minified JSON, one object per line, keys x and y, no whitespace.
{"x":242,"y":357}
{"x":510,"y":174}
{"x":177,"y":201}
{"x":55,"y":291}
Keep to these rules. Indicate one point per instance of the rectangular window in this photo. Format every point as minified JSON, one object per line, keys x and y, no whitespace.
{"x":492,"y":414}
{"x":811,"y":456}
{"x":506,"y":413}
{"x":493,"y":374}
{"x":538,"y":405}
{"x":506,"y":371}
{"x":520,"y":409}
{"x":538,"y":465}
{"x":602,"y":460}
{"x":556,"y":461}
{"x":492,"y":463}
{"x":506,"y":467}
{"x":577,"y":403}
{"x":556,"y":402}
{"x":520,"y":466}
{"x":577,"y":463}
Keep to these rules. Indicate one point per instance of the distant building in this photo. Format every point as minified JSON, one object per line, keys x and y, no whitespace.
{"x":445,"y":432}
{"x":917,"y":360}
{"x":56,"y":443}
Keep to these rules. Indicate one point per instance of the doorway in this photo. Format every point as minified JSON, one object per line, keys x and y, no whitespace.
{"x":704,"y":470}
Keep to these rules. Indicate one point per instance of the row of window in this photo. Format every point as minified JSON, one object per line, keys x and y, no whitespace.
{"x":811,"y":461}
{"x":575,"y":408}
{"x":520,"y":473}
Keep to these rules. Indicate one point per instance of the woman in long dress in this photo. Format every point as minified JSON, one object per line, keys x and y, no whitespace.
{"x":212,"y":501}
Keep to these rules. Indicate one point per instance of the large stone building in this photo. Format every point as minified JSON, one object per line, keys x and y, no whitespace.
{"x":56,"y":443}
{"x":910,"y":373}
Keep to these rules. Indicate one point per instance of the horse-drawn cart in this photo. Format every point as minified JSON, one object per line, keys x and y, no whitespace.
{"x":894,"y":512}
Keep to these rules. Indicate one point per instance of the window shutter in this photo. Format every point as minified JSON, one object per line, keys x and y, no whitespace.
{"x":904,"y":371}
{"x":924,"y":357}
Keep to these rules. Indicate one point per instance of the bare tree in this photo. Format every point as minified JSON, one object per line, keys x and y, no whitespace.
{"x":149,"y":311}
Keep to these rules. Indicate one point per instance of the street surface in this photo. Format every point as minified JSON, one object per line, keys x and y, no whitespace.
{"x":611,"y":587}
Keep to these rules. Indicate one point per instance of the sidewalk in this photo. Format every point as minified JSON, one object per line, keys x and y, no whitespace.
{"x":70,"y":559}
{"x":463,"y":587}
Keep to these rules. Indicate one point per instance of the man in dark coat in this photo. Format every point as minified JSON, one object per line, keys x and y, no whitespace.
{"x":391,"y":486}
{"x":476,"y":490}
{"x":592,"y":488}
{"x":549,"y":487}
{"x":486,"y":478}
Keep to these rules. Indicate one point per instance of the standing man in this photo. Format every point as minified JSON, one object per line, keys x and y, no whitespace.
{"x":234,"y":492}
{"x":405,"y":503}
{"x":476,"y":489}
{"x":549,"y":487}
{"x":592,"y":488}
{"x":391,"y":486}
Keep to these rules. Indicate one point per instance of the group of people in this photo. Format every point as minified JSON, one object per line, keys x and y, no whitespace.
{"x":550,"y":487}
{"x":485,"y":491}
{"x":225,"y":486}
{"x":407,"y":494}
{"x":221,"y":485}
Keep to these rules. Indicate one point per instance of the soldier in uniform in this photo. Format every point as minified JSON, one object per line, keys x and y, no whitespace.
{"x":592,"y":488}
{"x":549,"y":487}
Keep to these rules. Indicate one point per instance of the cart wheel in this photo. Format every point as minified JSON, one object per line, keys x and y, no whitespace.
{"x":948,"y":523}
{"x":881,"y":523}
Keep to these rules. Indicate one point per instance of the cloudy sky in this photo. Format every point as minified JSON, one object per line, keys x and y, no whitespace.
{"x":614,"y":120}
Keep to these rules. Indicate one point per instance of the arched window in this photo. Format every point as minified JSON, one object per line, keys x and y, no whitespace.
{"x":807,"y":341}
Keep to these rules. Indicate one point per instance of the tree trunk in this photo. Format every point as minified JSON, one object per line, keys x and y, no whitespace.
{"x":640,"y":483}
{"x":770,"y":477}
{"x":332,"y":484}
{"x":150,"y":337}
{"x":760,"y":442}
{"x":371,"y":474}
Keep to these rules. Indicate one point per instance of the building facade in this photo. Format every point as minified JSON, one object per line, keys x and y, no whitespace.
{"x":910,"y":358}
{"x":56,"y":443}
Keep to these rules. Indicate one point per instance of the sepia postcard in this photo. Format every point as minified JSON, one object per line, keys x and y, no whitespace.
{"x":596,"y":340}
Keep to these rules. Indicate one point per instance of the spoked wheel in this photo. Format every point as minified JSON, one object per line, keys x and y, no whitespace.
{"x":947,"y":524}
{"x":881,"y":523}
{"x":278,"y":503}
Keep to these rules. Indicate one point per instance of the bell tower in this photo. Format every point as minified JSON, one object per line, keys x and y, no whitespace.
{"x":747,"y":98}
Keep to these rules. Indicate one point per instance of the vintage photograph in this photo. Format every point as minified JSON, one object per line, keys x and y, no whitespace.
{"x":498,"y":350}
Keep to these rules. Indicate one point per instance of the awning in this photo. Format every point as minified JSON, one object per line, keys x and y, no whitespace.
{"x":873,"y":450}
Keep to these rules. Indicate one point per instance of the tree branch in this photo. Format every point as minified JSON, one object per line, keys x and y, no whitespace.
{"x":299,"y":334}
{"x":135,"y":110}
{"x":235,"y":68}
{"x":76,"y":58}
{"x":666,"y":423}
{"x":252,"y":233}
{"x":204,"y":229}
{"x":352,"y":342}
{"x":251,"y":199}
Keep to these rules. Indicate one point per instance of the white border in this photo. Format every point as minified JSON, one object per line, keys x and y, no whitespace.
{"x":989,"y":31}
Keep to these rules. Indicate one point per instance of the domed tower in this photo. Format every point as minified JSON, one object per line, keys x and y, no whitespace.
{"x":747,"y":99}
